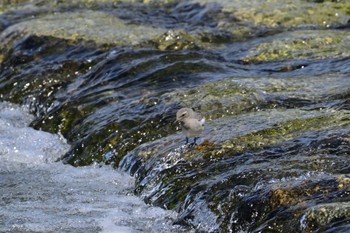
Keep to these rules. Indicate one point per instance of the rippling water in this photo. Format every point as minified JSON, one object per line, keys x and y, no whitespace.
{"x":39,"y":195}
{"x":271,"y":79}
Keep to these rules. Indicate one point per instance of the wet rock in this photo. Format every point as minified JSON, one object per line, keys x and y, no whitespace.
{"x":109,"y":76}
{"x":99,"y":27}
{"x":242,"y":190}
{"x":314,"y":45}
{"x":175,"y":40}
{"x":234,"y":95}
{"x":321,"y":217}
{"x":288,"y":13}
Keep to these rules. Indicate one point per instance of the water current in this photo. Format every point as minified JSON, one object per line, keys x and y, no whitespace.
{"x":40,"y":195}
{"x":89,"y":92}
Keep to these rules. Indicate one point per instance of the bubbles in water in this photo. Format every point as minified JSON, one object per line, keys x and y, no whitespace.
{"x":39,"y":195}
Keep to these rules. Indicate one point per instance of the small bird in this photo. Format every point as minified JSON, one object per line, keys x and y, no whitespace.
{"x":191,"y":123}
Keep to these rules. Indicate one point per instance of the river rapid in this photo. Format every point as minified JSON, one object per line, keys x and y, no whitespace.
{"x":89,"y":92}
{"x":41,"y":195}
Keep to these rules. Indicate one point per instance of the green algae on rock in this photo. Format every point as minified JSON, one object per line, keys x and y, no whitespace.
{"x":276,"y":136}
{"x":175,"y":40}
{"x":287,"y":13}
{"x":310,"y":44}
{"x":99,"y":27}
{"x":268,"y":180}
{"x":237,"y":95}
{"x":320,"y":217}
{"x":226,"y":135}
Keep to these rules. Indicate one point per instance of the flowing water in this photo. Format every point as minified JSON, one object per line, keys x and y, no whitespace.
{"x":41,"y":195}
{"x":97,"y":85}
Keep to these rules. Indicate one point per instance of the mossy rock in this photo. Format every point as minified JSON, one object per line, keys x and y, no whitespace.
{"x":253,"y":186}
{"x":322,"y":216}
{"x":99,"y":27}
{"x":313,"y":44}
{"x":175,"y":40}
{"x":236,"y":95}
{"x":287,"y":13}
{"x":274,"y":127}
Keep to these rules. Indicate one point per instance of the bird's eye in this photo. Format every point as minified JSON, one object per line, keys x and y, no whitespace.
{"x":184,"y":114}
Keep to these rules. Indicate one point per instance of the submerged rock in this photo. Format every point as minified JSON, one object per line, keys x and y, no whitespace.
{"x":99,"y":27}
{"x":313,"y":44}
{"x":242,"y":190}
{"x":287,"y":13}
{"x":175,"y":41}
{"x":321,"y":217}
{"x":110,"y":76}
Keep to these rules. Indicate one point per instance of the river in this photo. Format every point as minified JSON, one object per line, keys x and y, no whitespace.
{"x":89,"y":93}
{"x":41,"y":195}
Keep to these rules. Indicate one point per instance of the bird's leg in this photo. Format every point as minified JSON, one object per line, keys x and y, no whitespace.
{"x":186,"y":140}
{"x":194,"y":142}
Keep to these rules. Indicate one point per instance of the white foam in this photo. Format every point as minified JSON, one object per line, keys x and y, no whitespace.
{"x":22,"y":144}
{"x":41,"y":195}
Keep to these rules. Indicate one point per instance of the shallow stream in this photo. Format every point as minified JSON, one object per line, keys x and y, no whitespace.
{"x":91,"y":144}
